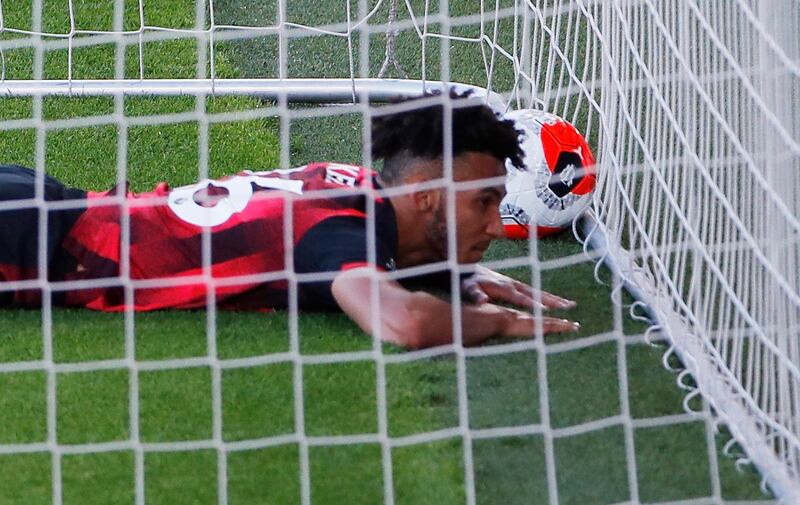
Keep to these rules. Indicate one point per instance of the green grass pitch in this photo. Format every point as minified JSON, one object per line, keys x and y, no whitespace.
{"x":258,"y":402}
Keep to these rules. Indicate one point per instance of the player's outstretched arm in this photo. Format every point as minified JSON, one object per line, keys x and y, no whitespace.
{"x":416,"y":319}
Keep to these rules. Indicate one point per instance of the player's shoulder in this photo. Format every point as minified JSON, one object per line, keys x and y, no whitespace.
{"x":320,"y":175}
{"x":335,"y":174}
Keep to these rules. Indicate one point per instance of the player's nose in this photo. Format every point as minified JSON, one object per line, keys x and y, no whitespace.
{"x":495,"y":225}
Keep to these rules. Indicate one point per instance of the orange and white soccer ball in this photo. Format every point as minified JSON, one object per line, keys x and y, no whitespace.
{"x":559,"y":181}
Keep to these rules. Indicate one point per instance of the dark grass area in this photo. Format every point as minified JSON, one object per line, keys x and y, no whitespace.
{"x":339,"y":399}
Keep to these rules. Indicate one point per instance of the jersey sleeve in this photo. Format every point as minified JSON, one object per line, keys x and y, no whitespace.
{"x":334,"y":245}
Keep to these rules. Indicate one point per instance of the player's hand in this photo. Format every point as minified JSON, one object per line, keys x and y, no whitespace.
{"x":523,"y":324}
{"x":489,"y":286}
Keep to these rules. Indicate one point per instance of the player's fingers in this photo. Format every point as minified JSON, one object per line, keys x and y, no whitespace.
{"x":507,"y":292}
{"x":475,"y":293}
{"x":525,"y":288}
{"x":556,"y":325}
{"x":548,"y":300}
{"x":522,"y":326}
{"x":525,"y":300}
{"x":543,"y":299}
{"x":526,"y":325}
{"x":519,"y":294}
{"x":552,"y":301}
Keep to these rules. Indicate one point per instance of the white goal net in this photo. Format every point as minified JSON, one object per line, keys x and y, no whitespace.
{"x":692,"y":108}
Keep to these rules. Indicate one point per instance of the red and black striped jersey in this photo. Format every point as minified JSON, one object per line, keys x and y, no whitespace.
{"x":261,"y":229}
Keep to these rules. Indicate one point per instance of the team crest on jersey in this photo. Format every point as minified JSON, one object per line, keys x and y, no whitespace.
{"x":342,"y":175}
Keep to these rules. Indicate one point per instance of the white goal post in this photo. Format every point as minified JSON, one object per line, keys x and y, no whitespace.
{"x":693,"y":107}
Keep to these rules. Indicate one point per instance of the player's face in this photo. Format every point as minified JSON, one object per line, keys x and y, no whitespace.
{"x":477,"y":209}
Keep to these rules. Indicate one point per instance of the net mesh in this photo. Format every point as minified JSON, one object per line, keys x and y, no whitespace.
{"x":692,"y":107}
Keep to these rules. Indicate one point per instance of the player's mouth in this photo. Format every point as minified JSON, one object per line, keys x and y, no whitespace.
{"x":482,"y":247}
{"x":475,"y":253}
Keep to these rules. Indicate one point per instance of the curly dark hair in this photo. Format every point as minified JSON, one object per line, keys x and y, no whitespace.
{"x":416,"y":134}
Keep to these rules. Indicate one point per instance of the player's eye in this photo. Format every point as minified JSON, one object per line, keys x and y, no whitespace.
{"x":487,"y":202}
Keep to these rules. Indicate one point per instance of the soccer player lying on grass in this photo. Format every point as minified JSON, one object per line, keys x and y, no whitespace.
{"x":244,"y":216}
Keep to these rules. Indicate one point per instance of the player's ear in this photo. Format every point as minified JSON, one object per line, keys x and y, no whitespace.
{"x":426,"y":200}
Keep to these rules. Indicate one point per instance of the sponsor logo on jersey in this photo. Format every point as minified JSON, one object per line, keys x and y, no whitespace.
{"x":342,"y":175}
